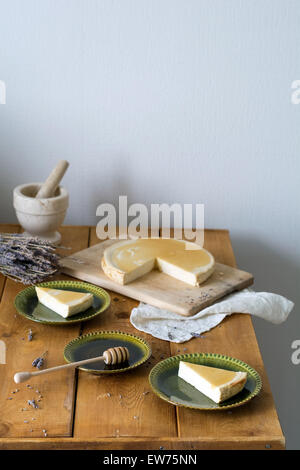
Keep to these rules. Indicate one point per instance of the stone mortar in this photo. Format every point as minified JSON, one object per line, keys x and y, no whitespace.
{"x":40,"y":217}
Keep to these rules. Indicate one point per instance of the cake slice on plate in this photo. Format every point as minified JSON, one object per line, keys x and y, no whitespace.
{"x":64,"y":302}
{"x":216,"y":384}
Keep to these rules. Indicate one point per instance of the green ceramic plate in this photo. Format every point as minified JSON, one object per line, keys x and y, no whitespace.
{"x":27,"y":304}
{"x":94,"y":344}
{"x":167,"y":385}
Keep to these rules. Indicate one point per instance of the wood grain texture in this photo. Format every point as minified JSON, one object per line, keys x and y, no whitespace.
{"x":234,"y":337}
{"x":55,"y":412}
{"x":157,"y":288}
{"x":137,"y":412}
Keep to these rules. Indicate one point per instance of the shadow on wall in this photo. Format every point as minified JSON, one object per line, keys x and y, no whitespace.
{"x":272,"y":273}
{"x":7,"y":212}
{"x":109,"y":193}
{"x":271,"y":269}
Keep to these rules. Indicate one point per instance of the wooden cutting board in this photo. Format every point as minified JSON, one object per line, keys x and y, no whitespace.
{"x":157,"y":288}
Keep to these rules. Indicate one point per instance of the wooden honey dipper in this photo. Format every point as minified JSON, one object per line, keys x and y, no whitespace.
{"x":111,"y":356}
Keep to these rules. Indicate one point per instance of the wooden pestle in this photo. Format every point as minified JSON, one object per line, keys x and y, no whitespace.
{"x":48,"y":188}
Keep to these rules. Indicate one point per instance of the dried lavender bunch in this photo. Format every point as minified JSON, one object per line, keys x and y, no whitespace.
{"x":27,"y":259}
{"x":39,"y":361}
{"x":32,"y":403}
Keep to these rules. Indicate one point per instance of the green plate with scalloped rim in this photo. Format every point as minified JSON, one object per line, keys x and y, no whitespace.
{"x":28,"y":305}
{"x":168,"y":386}
{"x":95,"y":343}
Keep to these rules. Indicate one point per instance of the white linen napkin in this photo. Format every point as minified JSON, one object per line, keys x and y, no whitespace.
{"x":173,"y":327}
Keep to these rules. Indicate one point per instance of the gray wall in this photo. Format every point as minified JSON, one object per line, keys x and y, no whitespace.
{"x":167,"y":101}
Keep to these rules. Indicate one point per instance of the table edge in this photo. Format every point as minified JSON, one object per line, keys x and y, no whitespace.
{"x":145,"y":443}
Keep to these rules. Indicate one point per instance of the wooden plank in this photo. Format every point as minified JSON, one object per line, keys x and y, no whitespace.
{"x":136,"y":413}
{"x":55,"y":413}
{"x":142,"y":443}
{"x":156,"y":288}
{"x":235,"y":337}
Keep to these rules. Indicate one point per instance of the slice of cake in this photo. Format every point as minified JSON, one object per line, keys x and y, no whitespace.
{"x":64,"y":302}
{"x":216,"y":384}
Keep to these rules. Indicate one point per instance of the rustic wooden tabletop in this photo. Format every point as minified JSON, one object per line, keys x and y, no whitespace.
{"x":81,"y":411}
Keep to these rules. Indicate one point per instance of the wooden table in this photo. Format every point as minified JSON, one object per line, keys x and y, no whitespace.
{"x":74,"y":408}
